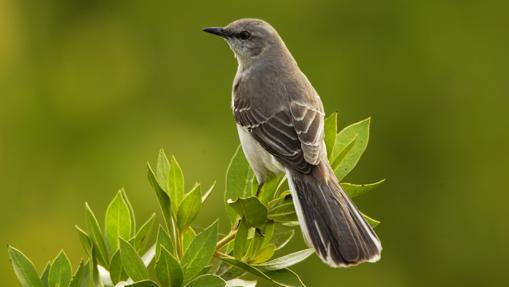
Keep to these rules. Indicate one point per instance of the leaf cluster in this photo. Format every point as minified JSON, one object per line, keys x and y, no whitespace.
{"x":173,"y":252}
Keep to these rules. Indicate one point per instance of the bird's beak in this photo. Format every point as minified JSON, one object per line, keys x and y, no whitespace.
{"x":216,"y":31}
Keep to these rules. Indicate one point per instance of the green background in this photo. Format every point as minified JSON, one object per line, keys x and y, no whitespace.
{"x":91,"y":89}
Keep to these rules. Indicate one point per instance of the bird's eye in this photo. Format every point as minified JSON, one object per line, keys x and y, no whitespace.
{"x":244,"y":35}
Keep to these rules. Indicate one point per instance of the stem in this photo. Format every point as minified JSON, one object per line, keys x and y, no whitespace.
{"x":229,"y":237}
{"x":220,"y":255}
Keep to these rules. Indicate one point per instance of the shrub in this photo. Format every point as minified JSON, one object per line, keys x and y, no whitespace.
{"x":177,"y":253}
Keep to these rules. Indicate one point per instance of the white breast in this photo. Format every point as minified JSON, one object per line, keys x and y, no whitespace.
{"x":262,"y":162}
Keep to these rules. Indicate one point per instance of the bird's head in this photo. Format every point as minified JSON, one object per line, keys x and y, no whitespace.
{"x":249,"y":39}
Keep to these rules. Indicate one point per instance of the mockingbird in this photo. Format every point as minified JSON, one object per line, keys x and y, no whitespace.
{"x":279,"y":118}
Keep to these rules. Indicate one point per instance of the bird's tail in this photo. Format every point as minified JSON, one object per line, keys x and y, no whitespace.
{"x":330,"y":221}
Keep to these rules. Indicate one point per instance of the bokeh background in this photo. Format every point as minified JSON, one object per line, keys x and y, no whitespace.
{"x":90,"y":90}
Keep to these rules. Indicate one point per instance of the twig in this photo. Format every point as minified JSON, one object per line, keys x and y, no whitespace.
{"x":229,"y":237}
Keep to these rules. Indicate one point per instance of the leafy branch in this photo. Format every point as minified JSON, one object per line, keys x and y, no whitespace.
{"x":175,"y":252}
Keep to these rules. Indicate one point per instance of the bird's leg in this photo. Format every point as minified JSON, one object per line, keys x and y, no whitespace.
{"x":260,"y":185}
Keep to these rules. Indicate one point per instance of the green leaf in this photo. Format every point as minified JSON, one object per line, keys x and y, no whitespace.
{"x":372,"y":222}
{"x":239,"y":179}
{"x":251,"y":208}
{"x":189,"y":234}
{"x":162,"y":196}
{"x":283,"y":212}
{"x":342,"y":153}
{"x":133,"y":265}
{"x":45,"y":275}
{"x":240,"y":245}
{"x":96,"y":236}
{"x":246,"y":267}
{"x":207,"y":280}
{"x":354,"y":139}
{"x":354,"y":190}
{"x":175,"y":184}
{"x":85,"y":240}
{"x":265,"y":253}
{"x":330,"y":131}
{"x":268,"y":233}
{"x":164,"y":240}
{"x":189,"y":208}
{"x":200,"y":252}
{"x":208,"y":192}
{"x":24,"y":269}
{"x":81,"y":277}
{"x":141,"y":237}
{"x":96,"y":280}
{"x":131,"y":210}
{"x":163,"y":170}
{"x":282,"y":235}
{"x":285,"y":277}
{"x":143,"y":283}
{"x":215,"y":266}
{"x":282,"y":187}
{"x":60,"y":272}
{"x":116,"y":269}
{"x":270,"y":188}
{"x":256,"y":239}
{"x":117,"y":222}
{"x":287,"y":260}
{"x":168,"y":270}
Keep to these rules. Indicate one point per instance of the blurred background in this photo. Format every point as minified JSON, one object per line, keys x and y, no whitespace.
{"x":90,"y":90}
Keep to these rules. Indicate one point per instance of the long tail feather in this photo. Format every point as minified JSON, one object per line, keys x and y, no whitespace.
{"x":330,"y":221}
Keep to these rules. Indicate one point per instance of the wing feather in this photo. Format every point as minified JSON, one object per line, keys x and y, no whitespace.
{"x":277,"y":135}
{"x":308,"y":123}
{"x":289,"y":127}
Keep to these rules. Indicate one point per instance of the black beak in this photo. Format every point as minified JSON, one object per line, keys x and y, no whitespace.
{"x":216,"y":31}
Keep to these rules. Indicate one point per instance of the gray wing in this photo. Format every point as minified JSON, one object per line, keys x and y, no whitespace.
{"x":293,"y":134}
{"x":308,"y":123}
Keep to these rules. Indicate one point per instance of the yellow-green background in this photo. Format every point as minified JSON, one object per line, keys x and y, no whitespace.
{"x":91,"y":89}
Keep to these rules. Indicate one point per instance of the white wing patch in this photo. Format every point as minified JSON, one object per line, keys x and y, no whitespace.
{"x":308,"y":122}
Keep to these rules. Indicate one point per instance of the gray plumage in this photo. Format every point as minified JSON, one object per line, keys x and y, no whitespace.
{"x":280,"y":120}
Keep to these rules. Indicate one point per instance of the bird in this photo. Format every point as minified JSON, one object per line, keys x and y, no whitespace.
{"x":280,"y":122}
